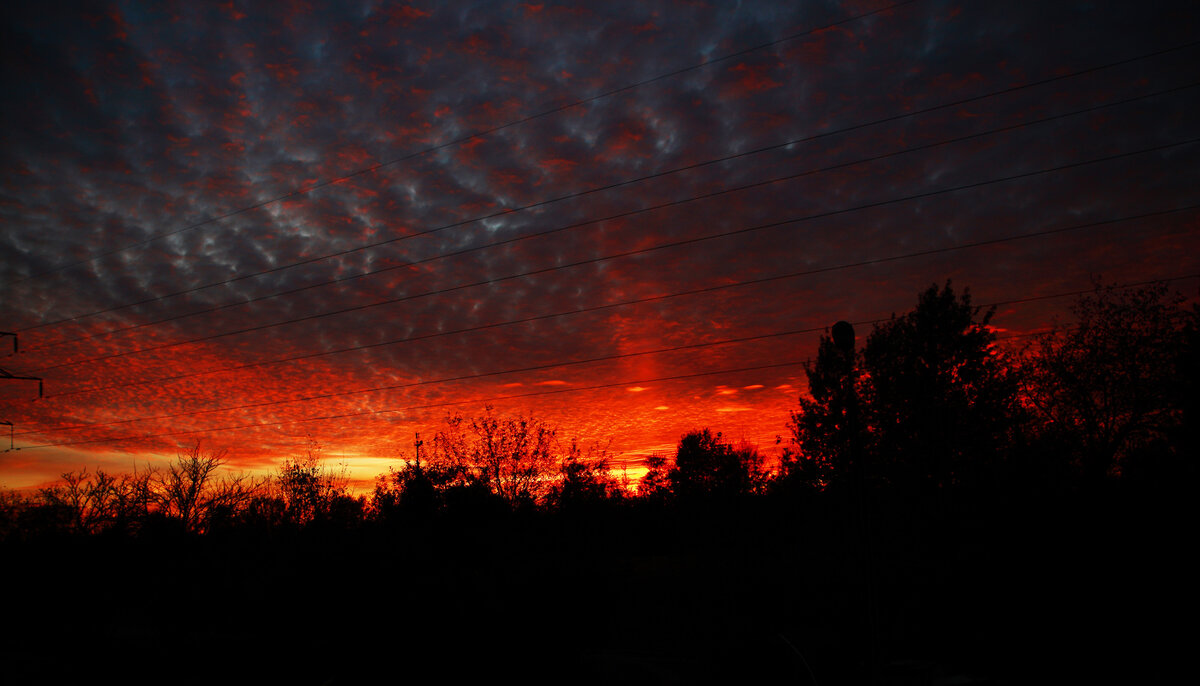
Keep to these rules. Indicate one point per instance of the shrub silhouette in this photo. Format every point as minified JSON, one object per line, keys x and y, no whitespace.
{"x":706,"y":468}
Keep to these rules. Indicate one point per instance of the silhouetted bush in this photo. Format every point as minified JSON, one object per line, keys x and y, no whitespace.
{"x":706,"y":469}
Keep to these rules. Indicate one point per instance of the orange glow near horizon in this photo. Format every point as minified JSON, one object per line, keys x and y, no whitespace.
{"x":633,"y":422}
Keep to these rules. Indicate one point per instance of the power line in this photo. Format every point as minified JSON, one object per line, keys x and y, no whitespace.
{"x":629,"y":253}
{"x":458,"y":141}
{"x":675,"y":377}
{"x":523,"y":395}
{"x":605,"y":358}
{"x":657,"y":298}
{"x":628,"y":213}
{"x":464,"y":377}
{"x":573,"y":195}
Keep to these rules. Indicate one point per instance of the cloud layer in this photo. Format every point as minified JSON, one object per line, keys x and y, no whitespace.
{"x":140,"y":135}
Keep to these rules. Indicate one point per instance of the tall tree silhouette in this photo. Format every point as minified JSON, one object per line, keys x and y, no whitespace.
{"x":942,"y":399}
{"x":826,"y":430}
{"x":935,"y":400}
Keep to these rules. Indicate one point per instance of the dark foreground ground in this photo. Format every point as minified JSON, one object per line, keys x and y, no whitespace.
{"x":1059,"y":588}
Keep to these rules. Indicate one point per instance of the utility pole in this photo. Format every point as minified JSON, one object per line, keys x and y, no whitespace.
{"x":6,"y":375}
{"x":417,"y":443}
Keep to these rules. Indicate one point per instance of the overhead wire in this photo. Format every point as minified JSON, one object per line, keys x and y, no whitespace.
{"x":623,"y":215}
{"x":623,"y":254}
{"x":635,"y":301}
{"x":463,"y":139}
{"x":542,"y":203}
{"x":1162,"y":212}
{"x":451,"y":403}
{"x":570,"y":363}
{"x":463,"y":377}
{"x":813,"y":329}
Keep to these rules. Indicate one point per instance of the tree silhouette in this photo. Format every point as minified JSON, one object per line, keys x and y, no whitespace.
{"x":584,"y":479}
{"x":514,"y":458}
{"x":942,"y":400}
{"x":311,"y":491}
{"x":1117,"y":382}
{"x":826,"y":431}
{"x":414,"y":492}
{"x":707,"y":468}
{"x":654,"y":486}
{"x":182,"y":487}
{"x":89,"y":499}
{"x":929,"y":399}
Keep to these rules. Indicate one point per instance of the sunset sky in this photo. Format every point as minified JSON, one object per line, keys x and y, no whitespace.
{"x":703,"y":173}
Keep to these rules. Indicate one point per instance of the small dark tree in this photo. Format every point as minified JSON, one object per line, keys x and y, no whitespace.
{"x":12,"y":506}
{"x":414,"y":492}
{"x":134,"y":497}
{"x":182,"y":487}
{"x":1115,"y":384}
{"x":654,"y":485}
{"x":585,"y":480}
{"x":313,"y":492}
{"x":515,"y":458}
{"x":89,"y":498}
{"x":706,"y":468}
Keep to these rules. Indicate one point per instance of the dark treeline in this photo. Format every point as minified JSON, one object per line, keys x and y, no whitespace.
{"x":945,"y":510}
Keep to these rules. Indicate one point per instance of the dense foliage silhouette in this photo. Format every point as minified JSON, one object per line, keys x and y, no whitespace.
{"x":1113,"y":389}
{"x":706,"y":470}
{"x":929,"y":401}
